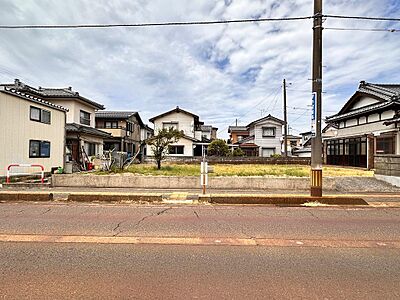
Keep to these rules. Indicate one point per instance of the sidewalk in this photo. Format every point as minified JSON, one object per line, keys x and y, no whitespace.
{"x":131,"y":195}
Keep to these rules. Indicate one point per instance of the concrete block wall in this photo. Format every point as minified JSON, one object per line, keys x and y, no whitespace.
{"x":387,"y":164}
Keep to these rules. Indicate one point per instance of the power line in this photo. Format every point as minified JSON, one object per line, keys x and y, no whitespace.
{"x":363,"y":29}
{"x":156,"y":24}
{"x":188,"y":23}
{"x":361,"y":18}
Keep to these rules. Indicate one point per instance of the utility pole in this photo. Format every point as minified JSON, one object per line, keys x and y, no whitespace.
{"x":316,"y":145}
{"x":285,"y":126}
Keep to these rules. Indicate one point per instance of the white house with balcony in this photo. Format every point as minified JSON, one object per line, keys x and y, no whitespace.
{"x":197,"y":136}
{"x":261,"y":137}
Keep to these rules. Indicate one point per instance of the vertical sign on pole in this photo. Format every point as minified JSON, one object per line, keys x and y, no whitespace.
{"x":313,"y":114}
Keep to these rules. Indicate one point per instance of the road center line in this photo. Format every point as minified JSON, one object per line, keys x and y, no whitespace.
{"x":198,"y":241}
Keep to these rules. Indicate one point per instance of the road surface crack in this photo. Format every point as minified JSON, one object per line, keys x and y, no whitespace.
{"x":118,"y":228}
{"x":312,"y":214}
{"x":151,"y":215}
{"x":46,"y":211}
{"x":196,"y":214}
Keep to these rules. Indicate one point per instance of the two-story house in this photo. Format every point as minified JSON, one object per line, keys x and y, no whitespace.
{"x":197,"y":136}
{"x":237,"y":133}
{"x":125,"y":129}
{"x":32,"y":131}
{"x":262,"y":137}
{"x":367,"y":124}
{"x":83,"y":140}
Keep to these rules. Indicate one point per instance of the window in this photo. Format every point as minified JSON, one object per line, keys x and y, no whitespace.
{"x":176,"y":149}
{"x":173,"y":125}
{"x":268,"y":131}
{"x":91,"y":149}
{"x":267,"y":152}
{"x":85,"y":118}
{"x":109,"y":124}
{"x":385,"y":145}
{"x":39,"y":148}
{"x":129,"y":127}
{"x":40,"y":115}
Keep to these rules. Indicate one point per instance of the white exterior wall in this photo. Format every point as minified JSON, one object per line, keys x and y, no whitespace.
{"x":363,"y":129}
{"x":268,"y":142}
{"x":187,"y":150}
{"x":185,"y":123}
{"x":16,"y":129}
{"x":74,"y":107}
{"x":364,"y":101}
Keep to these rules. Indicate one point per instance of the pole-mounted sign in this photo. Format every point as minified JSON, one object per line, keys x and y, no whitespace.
{"x":314,"y":112}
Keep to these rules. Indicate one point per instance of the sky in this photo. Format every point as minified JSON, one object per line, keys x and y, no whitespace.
{"x":220,"y":72}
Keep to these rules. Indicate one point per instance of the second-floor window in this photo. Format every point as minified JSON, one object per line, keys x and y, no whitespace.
{"x":129,"y":127}
{"x":268,"y":131}
{"x":111,"y":124}
{"x":173,"y":125}
{"x":84,"y":118}
{"x":40,"y":115}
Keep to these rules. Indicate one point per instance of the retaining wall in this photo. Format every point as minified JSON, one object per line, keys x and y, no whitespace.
{"x":387,"y":168}
{"x":188,"y":182}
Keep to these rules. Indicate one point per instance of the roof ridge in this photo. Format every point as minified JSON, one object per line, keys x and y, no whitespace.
{"x":30,"y":97}
{"x":379,"y":87}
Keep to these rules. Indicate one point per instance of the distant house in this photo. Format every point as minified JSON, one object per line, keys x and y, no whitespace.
{"x":293,"y":143}
{"x":261,"y":137}
{"x":304,"y":150}
{"x":82,"y":138}
{"x":125,"y":129}
{"x":32,"y":131}
{"x":197,"y":135}
{"x":367,"y":124}
{"x":146,"y":132}
{"x":237,"y":133}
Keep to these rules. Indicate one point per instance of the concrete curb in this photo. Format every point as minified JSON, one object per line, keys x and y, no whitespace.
{"x":284,"y":200}
{"x":281,"y":200}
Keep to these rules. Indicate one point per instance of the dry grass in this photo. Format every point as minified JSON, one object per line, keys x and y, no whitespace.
{"x":244,"y":170}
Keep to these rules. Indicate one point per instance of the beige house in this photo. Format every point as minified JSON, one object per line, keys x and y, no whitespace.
{"x":197,"y":136}
{"x":32,"y":131}
{"x":83,"y":140}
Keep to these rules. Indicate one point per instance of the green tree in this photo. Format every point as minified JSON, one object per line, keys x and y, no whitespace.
{"x":161,"y":141}
{"x":218,"y":148}
{"x":238,"y":152}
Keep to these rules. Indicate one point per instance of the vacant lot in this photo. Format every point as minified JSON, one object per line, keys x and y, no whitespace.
{"x":242,"y":170}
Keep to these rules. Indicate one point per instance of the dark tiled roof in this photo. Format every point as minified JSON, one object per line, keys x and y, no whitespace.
{"x":386,"y":94}
{"x":205,"y":127}
{"x":73,"y":127}
{"x":237,"y":128}
{"x":115,"y":114}
{"x":31,"y":98}
{"x":66,"y":93}
{"x":269,"y":117}
{"x":384,"y":91}
{"x":249,"y":145}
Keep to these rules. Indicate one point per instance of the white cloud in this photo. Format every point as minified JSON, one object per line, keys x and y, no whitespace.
{"x":220,"y":72}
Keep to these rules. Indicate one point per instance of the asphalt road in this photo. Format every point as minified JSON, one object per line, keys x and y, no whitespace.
{"x":336,"y":253}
